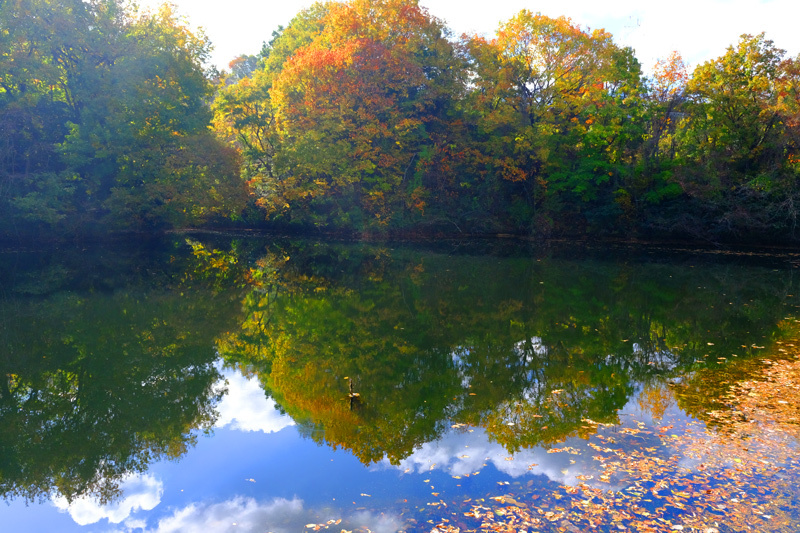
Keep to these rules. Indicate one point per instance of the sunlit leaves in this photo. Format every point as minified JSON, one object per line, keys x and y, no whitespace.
{"x":354,"y":106}
{"x":739,"y":134}
{"x":670,"y":77}
{"x":559,"y":107}
{"x":114,"y":101}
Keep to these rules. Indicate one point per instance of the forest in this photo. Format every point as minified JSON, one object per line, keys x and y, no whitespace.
{"x":371,"y":118}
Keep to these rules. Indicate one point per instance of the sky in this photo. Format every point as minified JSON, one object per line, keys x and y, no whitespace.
{"x":700,"y":30}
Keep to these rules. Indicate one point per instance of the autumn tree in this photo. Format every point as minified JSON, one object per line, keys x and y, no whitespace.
{"x":244,"y":112}
{"x":344,"y":112}
{"x":367,"y":116}
{"x":109,"y":111}
{"x":667,"y":93}
{"x":553,"y":105}
{"x":739,"y":146}
{"x":358,"y":107}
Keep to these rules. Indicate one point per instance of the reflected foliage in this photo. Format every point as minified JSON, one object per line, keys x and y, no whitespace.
{"x":109,"y":359}
{"x":102,"y":373}
{"x":527,"y":348}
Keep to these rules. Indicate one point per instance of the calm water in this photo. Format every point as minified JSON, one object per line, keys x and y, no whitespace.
{"x":217,"y":383}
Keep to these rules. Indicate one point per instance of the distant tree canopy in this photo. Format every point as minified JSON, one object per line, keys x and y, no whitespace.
{"x":370,"y":116}
{"x":104,"y":119}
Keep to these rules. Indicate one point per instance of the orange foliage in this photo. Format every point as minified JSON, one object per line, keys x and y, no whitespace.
{"x":670,"y":77}
{"x":355,"y":102}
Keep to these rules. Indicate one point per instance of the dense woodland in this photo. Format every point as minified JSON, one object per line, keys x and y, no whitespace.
{"x":371,"y":118}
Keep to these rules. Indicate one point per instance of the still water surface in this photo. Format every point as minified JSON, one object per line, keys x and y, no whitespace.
{"x":210,"y":383}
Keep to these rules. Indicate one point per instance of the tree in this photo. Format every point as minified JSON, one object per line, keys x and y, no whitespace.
{"x":739,"y":143}
{"x":124,"y":95}
{"x":667,"y":94}
{"x":244,"y":113}
{"x":553,"y":103}
{"x":335,"y":123}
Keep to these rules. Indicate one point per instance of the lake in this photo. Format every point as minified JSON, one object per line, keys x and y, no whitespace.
{"x":210,"y":382}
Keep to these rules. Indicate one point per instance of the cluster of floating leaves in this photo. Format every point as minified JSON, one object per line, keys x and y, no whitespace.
{"x":739,"y":474}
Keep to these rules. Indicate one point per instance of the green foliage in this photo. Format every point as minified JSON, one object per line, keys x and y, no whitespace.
{"x":425,"y":339}
{"x":345,"y":121}
{"x":350,"y":123}
{"x":738,"y":143}
{"x":113,"y":103}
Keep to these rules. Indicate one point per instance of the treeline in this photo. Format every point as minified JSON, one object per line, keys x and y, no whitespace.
{"x":371,"y":117}
{"x":104,"y":121}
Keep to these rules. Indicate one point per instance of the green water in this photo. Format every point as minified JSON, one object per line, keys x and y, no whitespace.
{"x":452,"y":381}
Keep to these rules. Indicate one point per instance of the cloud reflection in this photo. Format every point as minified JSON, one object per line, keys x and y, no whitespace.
{"x":140,"y":492}
{"x":247,"y":515}
{"x":246,"y":407}
{"x":238,"y":514}
{"x":459,"y":453}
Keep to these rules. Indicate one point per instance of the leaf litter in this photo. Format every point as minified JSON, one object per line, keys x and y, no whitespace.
{"x":737,"y":471}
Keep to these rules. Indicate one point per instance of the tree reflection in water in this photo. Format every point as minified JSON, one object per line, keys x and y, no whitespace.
{"x":111,"y":368}
{"x":527,"y":349}
{"x":106,"y":371}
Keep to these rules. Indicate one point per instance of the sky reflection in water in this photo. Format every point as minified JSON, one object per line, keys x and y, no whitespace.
{"x":532,"y":379}
{"x":464,"y":460}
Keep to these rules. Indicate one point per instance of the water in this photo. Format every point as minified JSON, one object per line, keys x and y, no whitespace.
{"x":218,"y":383}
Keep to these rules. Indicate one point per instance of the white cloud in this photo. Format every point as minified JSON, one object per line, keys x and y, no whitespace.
{"x":700,"y":31}
{"x":139,"y":492}
{"x":132,"y":524}
{"x":247,"y":408}
{"x":466,"y":453}
{"x":246,"y":515}
{"x":239,"y":514}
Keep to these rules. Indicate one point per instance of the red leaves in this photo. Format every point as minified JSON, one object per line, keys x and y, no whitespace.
{"x":670,"y":77}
